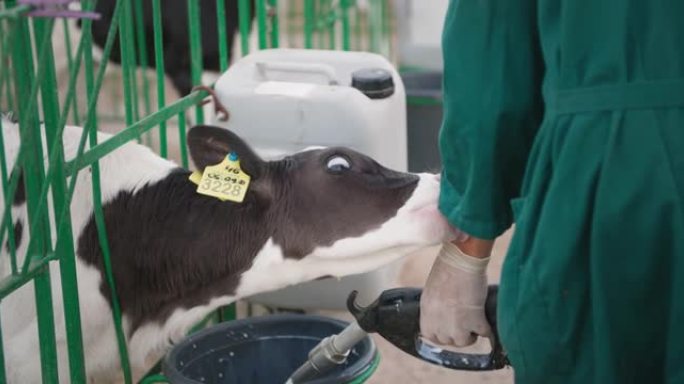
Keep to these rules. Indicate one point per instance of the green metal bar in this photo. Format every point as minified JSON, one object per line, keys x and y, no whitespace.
{"x":261,"y":22}
{"x":29,"y":131}
{"x":8,"y":216}
{"x":66,"y":247}
{"x":70,"y":62}
{"x":222,"y":36}
{"x":292,"y":16}
{"x":31,"y":113}
{"x":154,"y":379}
{"x":29,"y":110}
{"x":104,"y":246}
{"x":10,"y":284}
{"x":127,"y":62}
{"x":196,"y":65}
{"x":275,"y":25}
{"x":229,"y":312}
{"x":3,"y":374}
{"x":181,"y":134}
{"x":317,"y":23}
{"x":142,"y":54}
{"x":346,"y":30}
{"x":244,"y":18}
{"x":386,"y":33}
{"x":90,"y":129}
{"x":5,"y":38}
{"x":46,"y":327}
{"x":332,"y":22}
{"x":54,"y":152}
{"x":358,"y":19}
{"x":308,"y":23}
{"x":129,"y":44}
{"x":138,"y":128}
{"x":375,"y":24}
{"x":159,"y":63}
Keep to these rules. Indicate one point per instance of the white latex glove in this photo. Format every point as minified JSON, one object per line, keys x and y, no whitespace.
{"x":452,"y":302}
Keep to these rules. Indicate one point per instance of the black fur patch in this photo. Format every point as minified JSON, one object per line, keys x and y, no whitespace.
{"x":20,"y":194}
{"x":171,"y":247}
{"x":18,"y":232}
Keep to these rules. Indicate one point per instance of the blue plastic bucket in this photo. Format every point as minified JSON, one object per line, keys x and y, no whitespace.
{"x":263,"y":350}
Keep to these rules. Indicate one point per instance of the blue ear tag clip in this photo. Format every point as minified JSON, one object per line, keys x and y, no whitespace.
{"x":232,"y":156}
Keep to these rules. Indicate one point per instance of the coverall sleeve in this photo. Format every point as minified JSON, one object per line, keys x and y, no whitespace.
{"x":493,"y":107}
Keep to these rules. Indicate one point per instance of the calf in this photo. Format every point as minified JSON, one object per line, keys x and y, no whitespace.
{"x":174,"y":18}
{"x":177,"y":255}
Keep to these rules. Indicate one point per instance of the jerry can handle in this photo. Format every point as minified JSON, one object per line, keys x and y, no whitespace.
{"x":319,"y":69}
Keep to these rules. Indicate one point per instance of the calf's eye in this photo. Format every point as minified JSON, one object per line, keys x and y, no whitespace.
{"x":338,"y":164}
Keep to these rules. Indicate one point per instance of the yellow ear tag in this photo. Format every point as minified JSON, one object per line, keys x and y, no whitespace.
{"x":224,"y":181}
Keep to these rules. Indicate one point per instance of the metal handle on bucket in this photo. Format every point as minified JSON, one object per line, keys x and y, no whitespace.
{"x":319,"y":69}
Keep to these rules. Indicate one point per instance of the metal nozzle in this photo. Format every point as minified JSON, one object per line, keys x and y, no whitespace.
{"x":329,"y":353}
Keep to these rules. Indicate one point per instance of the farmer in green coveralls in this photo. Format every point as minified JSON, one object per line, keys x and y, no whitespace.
{"x":567,"y":118}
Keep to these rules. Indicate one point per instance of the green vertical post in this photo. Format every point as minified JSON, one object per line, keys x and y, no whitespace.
{"x":332,"y":23}
{"x":29,"y":131}
{"x":275,"y":26}
{"x":222,"y":36}
{"x":195,"y":50}
{"x":92,"y":89}
{"x":346,"y":30}
{"x":127,"y":62}
{"x":228,"y":313}
{"x":65,"y":247}
{"x":292,"y":17}
{"x":181,"y":134}
{"x":5,"y":70}
{"x":386,"y":26}
{"x":358,"y":19}
{"x":261,"y":22}
{"x":316,"y":23}
{"x":244,"y":18}
{"x":159,"y":61}
{"x":104,"y":246}
{"x":142,"y":53}
{"x":375,"y":24}
{"x":70,"y":64}
{"x":308,"y":23}
{"x":3,"y":374}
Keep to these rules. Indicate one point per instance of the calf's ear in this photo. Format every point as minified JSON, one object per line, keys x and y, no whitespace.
{"x":209,"y":145}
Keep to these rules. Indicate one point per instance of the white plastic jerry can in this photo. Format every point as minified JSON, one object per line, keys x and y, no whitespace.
{"x":282,"y":101}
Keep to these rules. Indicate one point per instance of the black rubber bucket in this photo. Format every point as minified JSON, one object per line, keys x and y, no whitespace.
{"x":263,"y":350}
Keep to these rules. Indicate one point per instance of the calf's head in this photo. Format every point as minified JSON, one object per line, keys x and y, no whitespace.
{"x":335,"y":210}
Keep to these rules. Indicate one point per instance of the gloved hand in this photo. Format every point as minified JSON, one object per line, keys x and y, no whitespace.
{"x":452,"y":302}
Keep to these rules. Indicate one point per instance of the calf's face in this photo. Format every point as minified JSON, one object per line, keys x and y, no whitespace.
{"x":329,"y":205}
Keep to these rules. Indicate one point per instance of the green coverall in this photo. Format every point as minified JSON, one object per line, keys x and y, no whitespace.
{"x":567,"y":117}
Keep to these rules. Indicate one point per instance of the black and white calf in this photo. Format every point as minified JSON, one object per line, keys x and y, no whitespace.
{"x":176,"y":38}
{"x":178,"y":255}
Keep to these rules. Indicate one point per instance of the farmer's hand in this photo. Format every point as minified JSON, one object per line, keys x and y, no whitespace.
{"x":452,"y":303}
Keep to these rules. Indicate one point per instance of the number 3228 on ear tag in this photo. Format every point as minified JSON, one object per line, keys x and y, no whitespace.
{"x":225,"y":181}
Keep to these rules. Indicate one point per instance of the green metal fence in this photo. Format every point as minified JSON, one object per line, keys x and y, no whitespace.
{"x":36,"y":91}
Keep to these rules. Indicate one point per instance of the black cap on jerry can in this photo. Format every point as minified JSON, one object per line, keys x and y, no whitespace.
{"x":376,"y":83}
